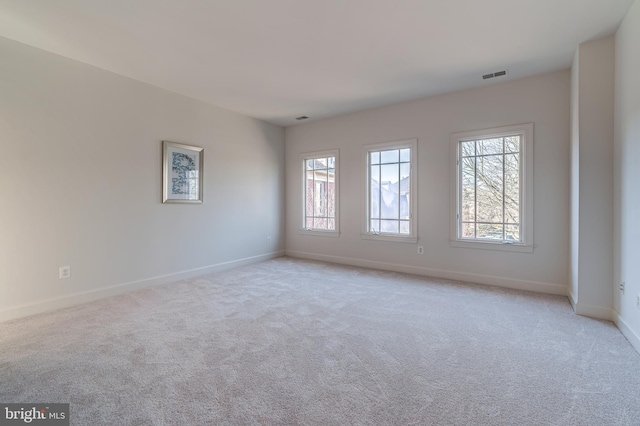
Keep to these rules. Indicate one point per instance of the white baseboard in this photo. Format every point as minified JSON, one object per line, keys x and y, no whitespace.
{"x":534,"y":286}
{"x":598,"y":312}
{"x":572,"y":298}
{"x":626,"y":331}
{"x":591,"y":311}
{"x":101,"y":293}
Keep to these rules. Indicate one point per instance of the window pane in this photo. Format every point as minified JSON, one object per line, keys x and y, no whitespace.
{"x":309,"y":164}
{"x":490,"y":146}
{"x":331,"y":225}
{"x":309,"y":194}
{"x":512,"y":232}
{"x":389,"y":174}
{"x":331,"y":193}
{"x":511,"y":188}
{"x":405,"y":169}
{"x":490,"y":231}
{"x":404,"y":227}
{"x":374,"y":200}
{"x":374,"y":226}
{"x":405,"y":191}
{"x":375,"y":174}
{"x":321,"y":163}
{"x":512,"y":144}
{"x":489,"y":189}
{"x":309,"y":223}
{"x":405,"y":155}
{"x":468,"y":148}
{"x":391,"y":156}
{"x":468,"y":207}
{"x":468,"y":196}
{"x":320,"y":193}
{"x":320,"y":223}
{"x":375,"y":205}
{"x":468,"y":230}
{"x":331,"y":162}
{"x":375,"y":157}
{"x":389,"y":226}
{"x":389,"y":188}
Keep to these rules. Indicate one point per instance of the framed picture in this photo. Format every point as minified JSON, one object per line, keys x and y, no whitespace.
{"x":182,"y":169}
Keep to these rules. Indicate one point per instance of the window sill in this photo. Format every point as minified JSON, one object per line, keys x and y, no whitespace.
{"x":319,"y":233}
{"x":391,"y":238}
{"x":487,"y":245}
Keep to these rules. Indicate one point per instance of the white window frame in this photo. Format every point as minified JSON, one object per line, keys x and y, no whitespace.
{"x":303,"y":159}
{"x":412,"y":237}
{"x":526,"y":188}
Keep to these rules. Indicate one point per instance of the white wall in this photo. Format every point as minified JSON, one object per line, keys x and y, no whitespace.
{"x":592,"y":178}
{"x":80,"y":184}
{"x":627,"y":174}
{"x":543,"y":100}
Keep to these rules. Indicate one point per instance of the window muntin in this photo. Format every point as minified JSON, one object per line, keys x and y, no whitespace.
{"x":390,"y":189}
{"x":320,"y":199}
{"x":492,"y":194}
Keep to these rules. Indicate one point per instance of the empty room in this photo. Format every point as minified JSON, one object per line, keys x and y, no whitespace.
{"x":265,"y":212}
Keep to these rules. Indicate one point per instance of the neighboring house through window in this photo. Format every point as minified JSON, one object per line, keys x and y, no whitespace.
{"x":391,"y":203}
{"x":492,"y":199}
{"x":320,"y":193}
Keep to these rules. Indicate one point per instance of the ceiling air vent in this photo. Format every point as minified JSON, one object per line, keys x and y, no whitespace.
{"x":302,"y":117}
{"x":494,"y":74}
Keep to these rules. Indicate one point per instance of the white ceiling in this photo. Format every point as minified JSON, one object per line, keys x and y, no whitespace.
{"x":279,"y":59}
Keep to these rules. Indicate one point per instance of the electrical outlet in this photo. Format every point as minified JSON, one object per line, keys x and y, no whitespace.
{"x":269,"y":239}
{"x":622,"y":287}
{"x":638,"y":300}
{"x":64,"y":272}
{"x":420,"y":250}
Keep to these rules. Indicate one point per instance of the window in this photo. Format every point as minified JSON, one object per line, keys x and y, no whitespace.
{"x":390,"y":191}
{"x":492,"y":199}
{"x":320,"y":193}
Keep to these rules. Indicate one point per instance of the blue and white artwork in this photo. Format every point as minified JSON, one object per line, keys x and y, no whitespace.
{"x":182,"y":173}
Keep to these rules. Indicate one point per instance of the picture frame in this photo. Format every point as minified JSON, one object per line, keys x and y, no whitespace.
{"x":182,"y":173}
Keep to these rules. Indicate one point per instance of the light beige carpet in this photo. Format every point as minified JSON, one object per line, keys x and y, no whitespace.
{"x":297,"y":342}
